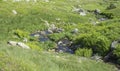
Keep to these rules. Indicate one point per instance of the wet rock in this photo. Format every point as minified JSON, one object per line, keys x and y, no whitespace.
{"x":43,"y":38}
{"x":22,"y":45}
{"x":110,"y":53}
{"x":108,"y":56}
{"x":63,"y":46}
{"x":13,"y":43}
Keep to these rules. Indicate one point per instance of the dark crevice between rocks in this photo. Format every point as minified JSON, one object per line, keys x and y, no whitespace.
{"x":111,"y":57}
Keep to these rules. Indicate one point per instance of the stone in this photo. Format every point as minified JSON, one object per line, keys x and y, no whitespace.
{"x":75,"y":31}
{"x":25,"y":40}
{"x":57,"y":19}
{"x":46,"y":0}
{"x":14,"y":12}
{"x":61,"y":51}
{"x":22,"y":45}
{"x":36,"y":35}
{"x":13,"y":43}
{"x":79,"y":11}
{"x":97,"y":11}
{"x":113,"y":44}
{"x":60,"y":43}
{"x":96,"y":57}
{"x":58,"y":30}
{"x":50,"y":31}
{"x":102,"y":19}
{"x":82,"y":13}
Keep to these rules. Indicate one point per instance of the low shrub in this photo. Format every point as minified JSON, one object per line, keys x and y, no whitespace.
{"x":56,"y":36}
{"x":85,"y":52}
{"x":112,"y":6}
{"x":99,"y":43}
{"x":107,"y":15}
{"x":34,"y":46}
{"x":117,"y":51}
{"x":21,"y":33}
{"x":50,"y":45}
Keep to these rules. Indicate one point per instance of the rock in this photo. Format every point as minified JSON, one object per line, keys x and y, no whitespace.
{"x":50,"y":31}
{"x":113,"y":44}
{"x":42,"y":33}
{"x":14,"y":12}
{"x":60,"y":43}
{"x":97,"y":11}
{"x":57,"y":19}
{"x":25,"y":40}
{"x":102,"y":19}
{"x":58,"y":30}
{"x":75,"y":31}
{"x":106,"y":58}
{"x":46,"y":0}
{"x":13,"y":43}
{"x":82,"y":13}
{"x":36,"y":35}
{"x":61,"y":51}
{"x":22,"y":45}
{"x":96,"y":57}
{"x":79,"y":11}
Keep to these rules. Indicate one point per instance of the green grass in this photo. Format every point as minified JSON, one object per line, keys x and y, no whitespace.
{"x":17,"y":59}
{"x":30,"y":18}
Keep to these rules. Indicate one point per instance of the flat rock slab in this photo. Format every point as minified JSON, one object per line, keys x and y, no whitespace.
{"x":20,"y":44}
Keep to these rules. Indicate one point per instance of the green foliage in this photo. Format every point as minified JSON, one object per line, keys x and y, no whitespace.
{"x":99,"y":43}
{"x":111,"y":6}
{"x":8,"y":63}
{"x":107,"y":15}
{"x":21,"y":34}
{"x":50,"y":45}
{"x":16,"y":59}
{"x":34,"y":46}
{"x":56,"y":36}
{"x":85,"y":52}
{"x":117,"y":51}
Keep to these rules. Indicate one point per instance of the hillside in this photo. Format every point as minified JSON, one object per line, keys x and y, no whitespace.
{"x":59,"y":35}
